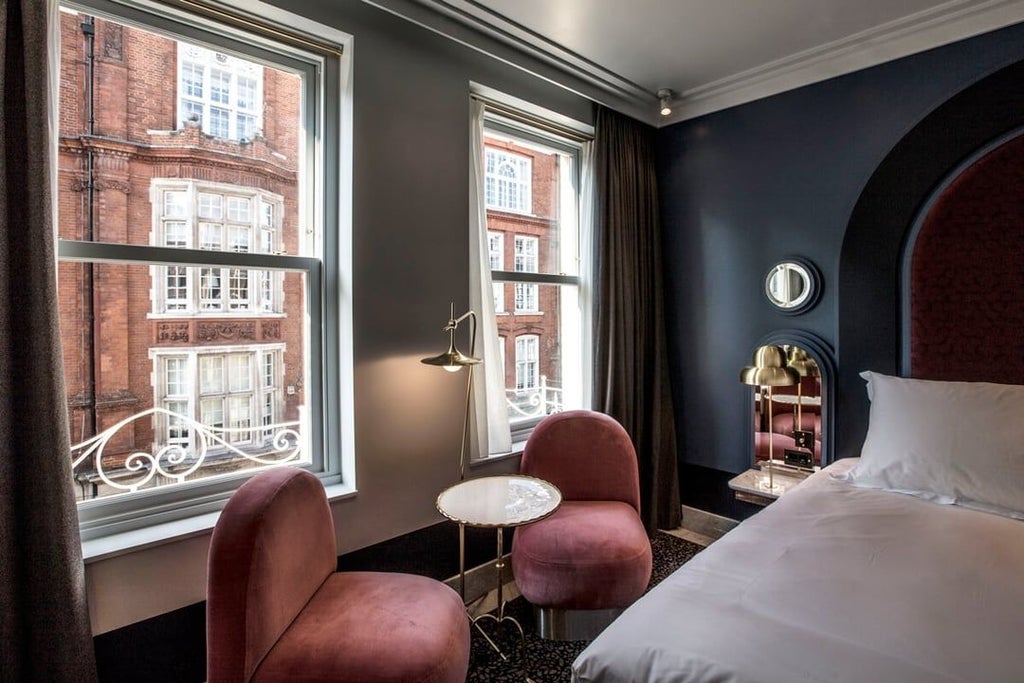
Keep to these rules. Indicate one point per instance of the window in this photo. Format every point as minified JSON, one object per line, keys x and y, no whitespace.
{"x":496,"y":256}
{"x":216,"y":218}
{"x":237,"y":393}
{"x":547,"y":326}
{"x":527,"y":355}
{"x":508,"y":179}
{"x":222,"y":93}
{"x":526,"y":262}
{"x":205,"y":336}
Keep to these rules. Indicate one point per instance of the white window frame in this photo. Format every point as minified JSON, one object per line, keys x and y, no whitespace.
{"x":508,"y":181}
{"x":496,"y":257}
{"x":190,"y":362}
{"x":527,"y":362}
{"x":571,"y":276}
{"x":210,"y":216}
{"x":526,"y":258}
{"x":321,"y":55}
{"x":208,"y":64}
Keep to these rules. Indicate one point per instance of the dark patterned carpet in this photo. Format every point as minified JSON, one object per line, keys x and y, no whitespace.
{"x":549,"y":661}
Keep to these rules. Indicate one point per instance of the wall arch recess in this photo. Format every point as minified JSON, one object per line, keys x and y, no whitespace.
{"x":868,"y":287}
{"x":965,"y":247}
{"x":818,"y":349}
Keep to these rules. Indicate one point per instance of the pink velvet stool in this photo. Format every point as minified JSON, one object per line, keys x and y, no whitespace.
{"x":278,"y":611}
{"x":593,"y":553}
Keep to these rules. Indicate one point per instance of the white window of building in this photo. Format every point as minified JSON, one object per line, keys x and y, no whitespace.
{"x":527,"y":358}
{"x":526,"y":262}
{"x":508,"y":179}
{"x":237,"y":392}
{"x":216,"y":217}
{"x":231,"y":297}
{"x":223,"y":93}
{"x":496,"y":256}
{"x":550,"y":369}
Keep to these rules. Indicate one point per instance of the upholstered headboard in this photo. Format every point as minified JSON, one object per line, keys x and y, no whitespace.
{"x":964,"y":272}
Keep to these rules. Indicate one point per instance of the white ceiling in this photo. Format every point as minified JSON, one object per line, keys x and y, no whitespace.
{"x":718,"y":53}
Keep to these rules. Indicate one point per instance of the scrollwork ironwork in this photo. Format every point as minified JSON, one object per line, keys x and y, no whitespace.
{"x":175,"y":463}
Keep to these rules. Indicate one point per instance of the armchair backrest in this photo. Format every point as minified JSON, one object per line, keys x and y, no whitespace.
{"x":586,"y":454}
{"x":271,"y":549}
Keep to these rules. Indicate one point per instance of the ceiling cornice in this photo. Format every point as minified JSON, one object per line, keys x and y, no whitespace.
{"x":946,"y":23}
{"x":918,"y":32}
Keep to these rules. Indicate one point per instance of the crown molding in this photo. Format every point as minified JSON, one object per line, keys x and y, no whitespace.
{"x":496,"y":35}
{"x":915,"y":33}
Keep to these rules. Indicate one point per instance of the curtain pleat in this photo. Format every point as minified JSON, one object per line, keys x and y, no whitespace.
{"x":45,"y":633}
{"x":490,"y":412}
{"x":631,"y":380}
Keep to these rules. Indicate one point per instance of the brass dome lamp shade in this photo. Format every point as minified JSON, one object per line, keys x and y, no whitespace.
{"x":805,"y":366}
{"x":769,"y":369}
{"x":454,"y":360}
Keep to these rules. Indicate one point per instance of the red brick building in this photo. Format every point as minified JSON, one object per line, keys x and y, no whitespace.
{"x":521,"y":187}
{"x":168,"y":144}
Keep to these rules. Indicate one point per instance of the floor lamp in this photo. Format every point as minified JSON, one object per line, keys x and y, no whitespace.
{"x":769,"y":369}
{"x":454,"y":360}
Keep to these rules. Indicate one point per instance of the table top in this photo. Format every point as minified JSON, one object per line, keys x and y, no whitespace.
{"x":793,"y":398}
{"x":755,"y":482}
{"x":503,"y":500}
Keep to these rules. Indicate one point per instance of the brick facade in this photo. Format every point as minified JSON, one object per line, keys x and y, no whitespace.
{"x":111,"y":328}
{"x":542,"y":223}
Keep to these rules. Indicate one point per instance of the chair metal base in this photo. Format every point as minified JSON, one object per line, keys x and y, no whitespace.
{"x":573,"y":624}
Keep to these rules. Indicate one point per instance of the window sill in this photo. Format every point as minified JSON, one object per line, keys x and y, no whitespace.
{"x":125,"y":543}
{"x":517,"y":451}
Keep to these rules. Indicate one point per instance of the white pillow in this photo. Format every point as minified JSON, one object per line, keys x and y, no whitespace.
{"x":950,"y":442}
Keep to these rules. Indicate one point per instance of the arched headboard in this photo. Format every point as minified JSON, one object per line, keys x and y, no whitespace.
{"x":963,"y":272}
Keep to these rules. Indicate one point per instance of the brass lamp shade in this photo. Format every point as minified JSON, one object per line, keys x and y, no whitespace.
{"x":804,"y":365}
{"x":452,"y":358}
{"x":769,"y":369}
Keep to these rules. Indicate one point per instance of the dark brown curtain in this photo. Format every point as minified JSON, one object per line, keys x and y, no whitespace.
{"x":631,"y":381}
{"x":44,"y":623}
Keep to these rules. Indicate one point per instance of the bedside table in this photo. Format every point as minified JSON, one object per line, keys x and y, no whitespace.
{"x":752,"y":486}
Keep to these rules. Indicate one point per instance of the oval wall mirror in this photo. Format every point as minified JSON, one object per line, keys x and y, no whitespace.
{"x":793,"y":285}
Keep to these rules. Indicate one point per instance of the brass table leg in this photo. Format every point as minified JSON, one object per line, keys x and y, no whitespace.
{"x":499,"y":565}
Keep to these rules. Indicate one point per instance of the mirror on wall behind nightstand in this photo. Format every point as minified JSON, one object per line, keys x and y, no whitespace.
{"x":789,"y":421}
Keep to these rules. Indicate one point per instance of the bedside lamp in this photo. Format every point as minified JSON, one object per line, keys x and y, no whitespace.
{"x":769,"y":369}
{"x":454,"y":360}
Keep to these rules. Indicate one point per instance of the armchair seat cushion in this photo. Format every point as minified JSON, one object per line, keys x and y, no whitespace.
{"x":397,"y":627}
{"x":588,"y":555}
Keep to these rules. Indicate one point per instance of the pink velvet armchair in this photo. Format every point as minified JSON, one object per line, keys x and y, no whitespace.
{"x":278,"y":611}
{"x":593,"y":553}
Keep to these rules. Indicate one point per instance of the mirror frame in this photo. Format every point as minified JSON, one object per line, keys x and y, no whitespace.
{"x":822,"y":354}
{"x":813,"y":282}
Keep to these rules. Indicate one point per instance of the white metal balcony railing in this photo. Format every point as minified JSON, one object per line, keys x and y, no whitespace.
{"x":174,"y":464}
{"x":529,"y":404}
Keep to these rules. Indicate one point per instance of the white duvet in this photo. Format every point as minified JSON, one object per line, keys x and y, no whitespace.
{"x":833,"y":583}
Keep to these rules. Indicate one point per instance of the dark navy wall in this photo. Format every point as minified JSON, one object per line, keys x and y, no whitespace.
{"x":743,"y":188}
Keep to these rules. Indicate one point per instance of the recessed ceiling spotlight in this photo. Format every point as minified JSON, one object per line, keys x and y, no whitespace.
{"x":665,"y":99}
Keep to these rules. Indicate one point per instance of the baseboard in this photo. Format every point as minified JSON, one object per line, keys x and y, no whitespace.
{"x":706,"y":523}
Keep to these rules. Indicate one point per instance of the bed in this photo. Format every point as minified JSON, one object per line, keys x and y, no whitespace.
{"x":904,"y":565}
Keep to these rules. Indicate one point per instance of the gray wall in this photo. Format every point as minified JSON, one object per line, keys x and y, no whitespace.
{"x":743,"y":188}
{"x":410,"y":253}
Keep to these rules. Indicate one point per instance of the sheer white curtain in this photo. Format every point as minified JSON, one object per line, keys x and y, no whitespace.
{"x":489,"y":412}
